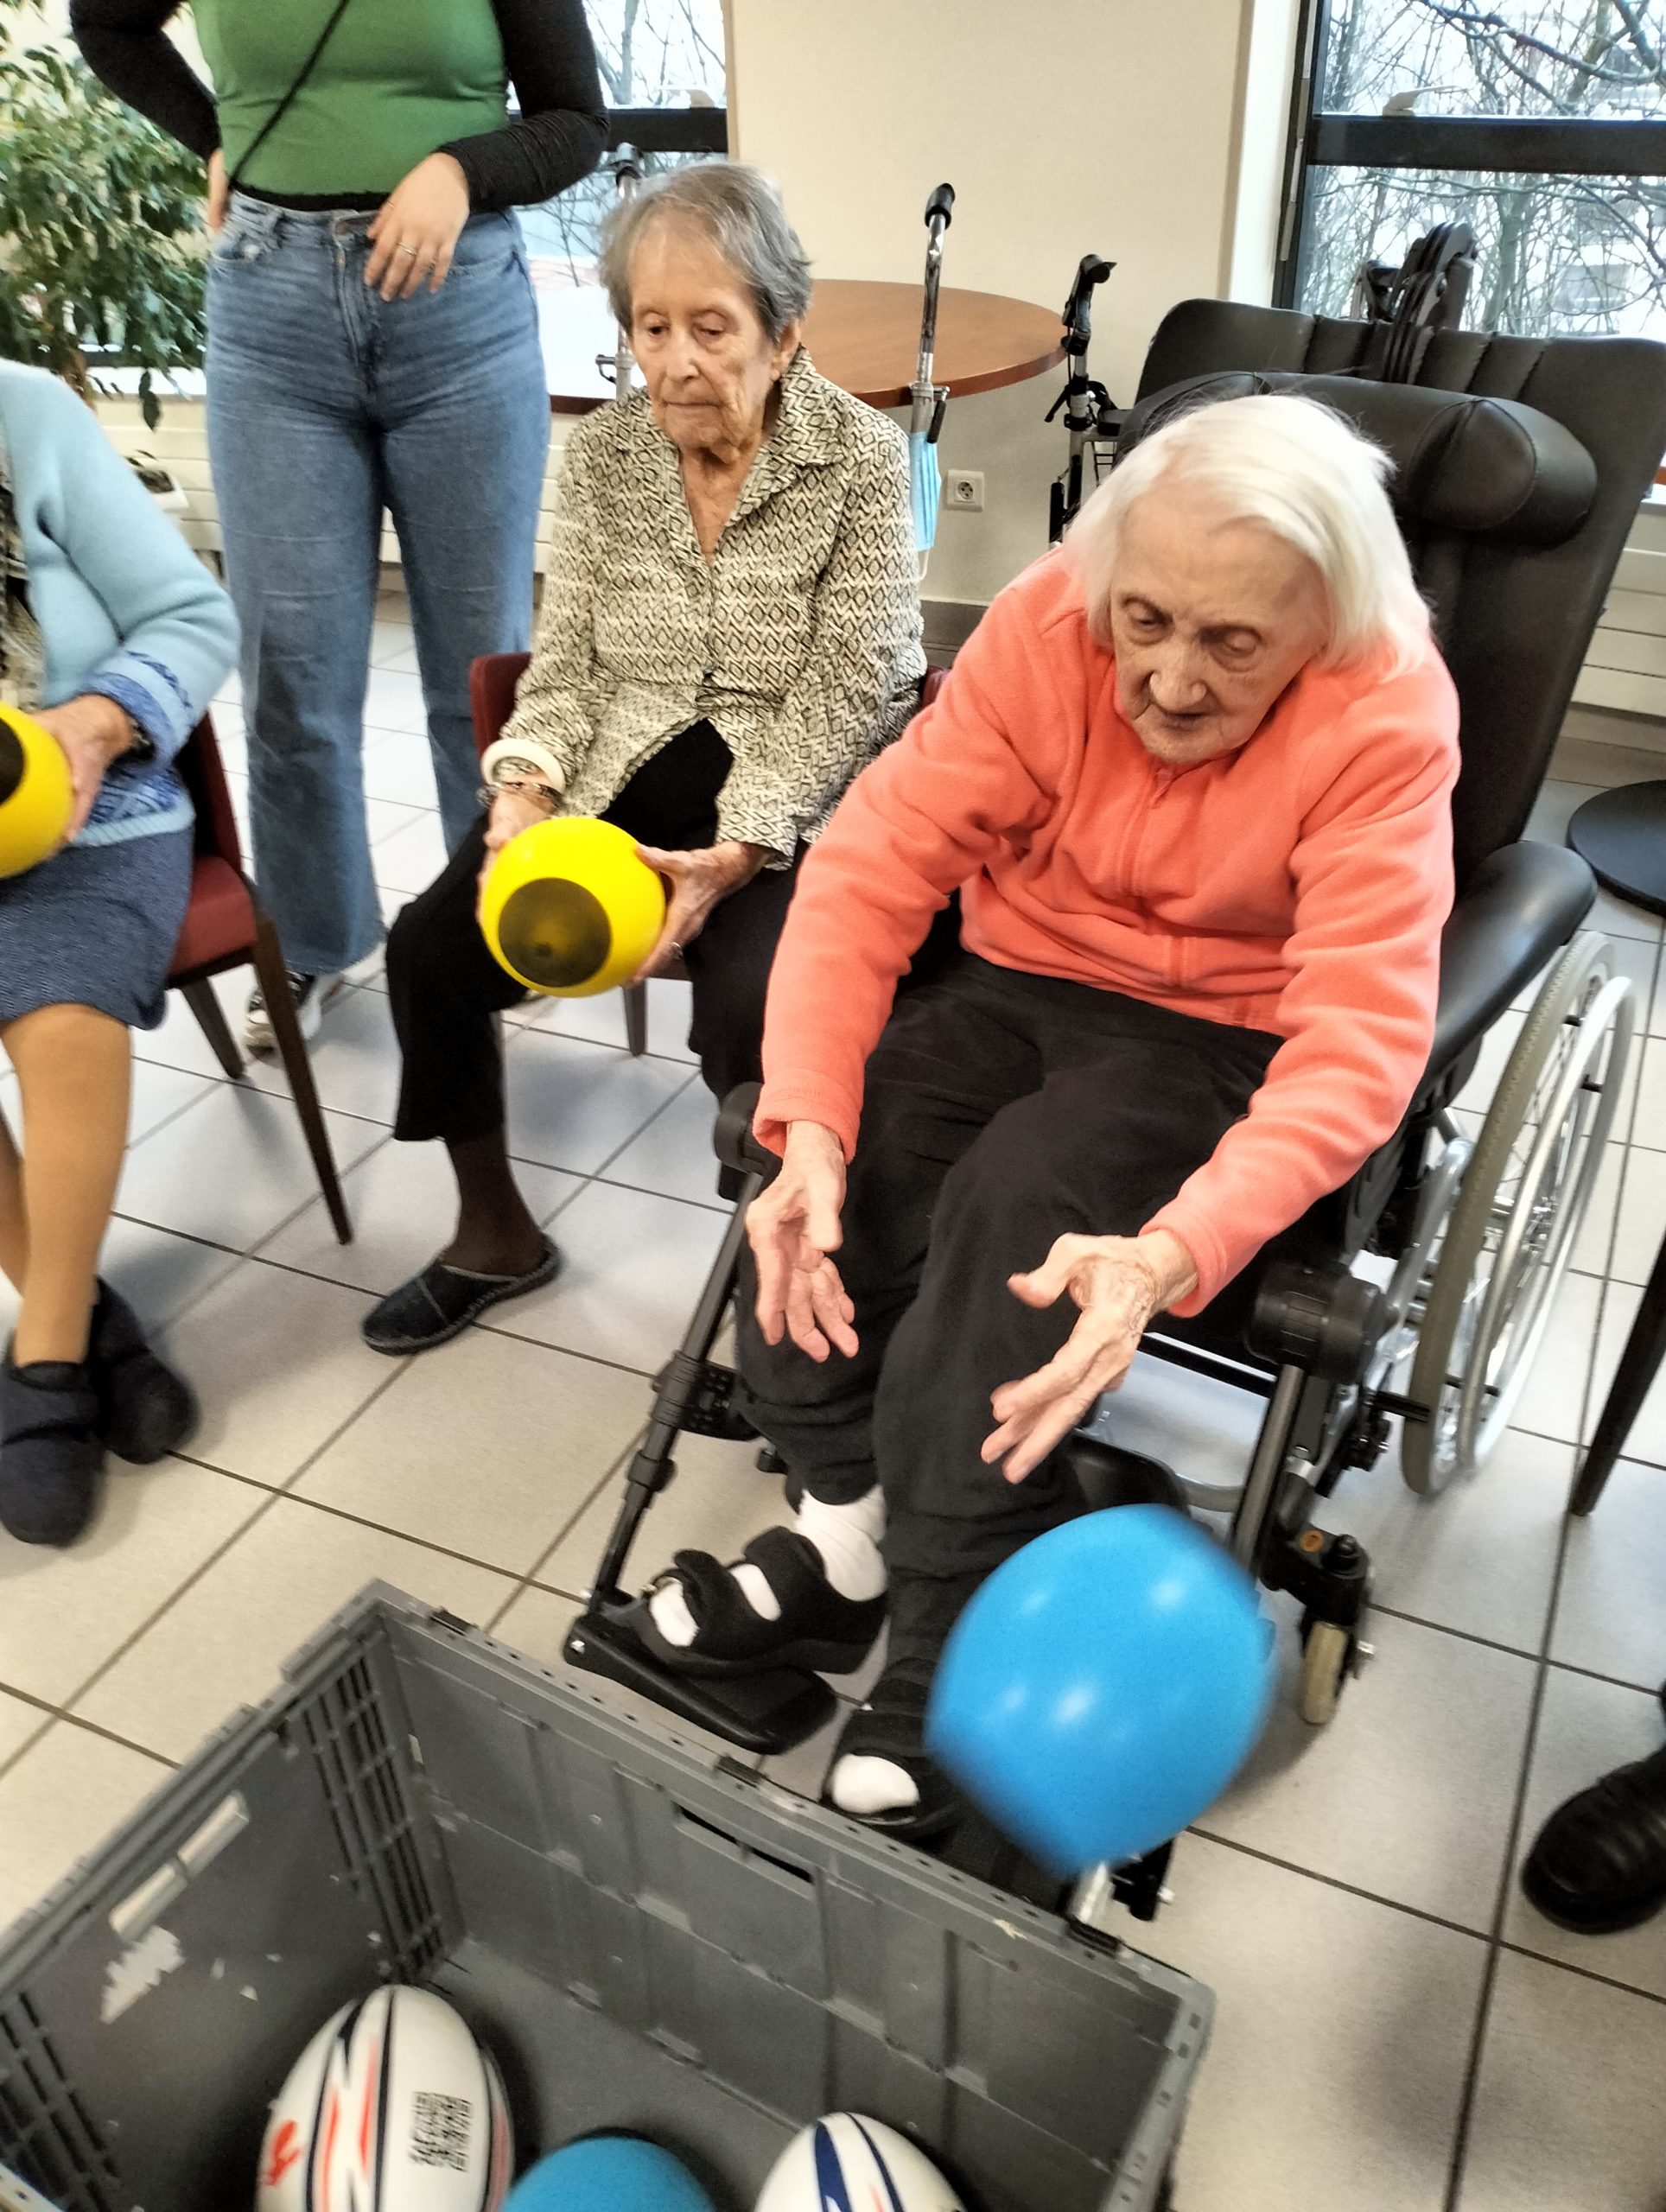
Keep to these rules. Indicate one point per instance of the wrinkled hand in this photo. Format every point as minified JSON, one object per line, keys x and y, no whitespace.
{"x":794,"y":1228}
{"x":219,"y":194}
{"x":1119,"y":1282}
{"x":695,"y":883}
{"x":512,"y":812}
{"x":416,"y":227}
{"x":93,"y":731}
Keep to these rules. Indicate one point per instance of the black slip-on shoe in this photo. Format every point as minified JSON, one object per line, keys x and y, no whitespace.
{"x":51,"y":1460}
{"x":1600,"y":1862}
{"x":441,"y":1302}
{"x":145,"y":1409}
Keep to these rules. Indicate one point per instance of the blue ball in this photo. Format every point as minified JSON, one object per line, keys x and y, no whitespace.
{"x":608,"y":2173}
{"x":1103,"y":1686}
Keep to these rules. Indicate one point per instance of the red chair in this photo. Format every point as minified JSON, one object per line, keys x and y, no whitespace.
{"x":226,"y":926}
{"x":492,"y":683}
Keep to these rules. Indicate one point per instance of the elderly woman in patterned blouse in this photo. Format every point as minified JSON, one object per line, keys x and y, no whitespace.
{"x":730,"y":631}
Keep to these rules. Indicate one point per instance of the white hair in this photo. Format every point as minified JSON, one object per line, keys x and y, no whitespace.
{"x":1304,"y":473}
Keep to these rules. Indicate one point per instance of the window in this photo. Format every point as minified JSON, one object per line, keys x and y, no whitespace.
{"x":662,"y":74}
{"x":1542,"y":123}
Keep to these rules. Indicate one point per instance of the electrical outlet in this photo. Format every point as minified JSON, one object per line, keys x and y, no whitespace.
{"x":964,"y":488}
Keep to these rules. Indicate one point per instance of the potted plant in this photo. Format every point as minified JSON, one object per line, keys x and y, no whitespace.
{"x":101,"y":261}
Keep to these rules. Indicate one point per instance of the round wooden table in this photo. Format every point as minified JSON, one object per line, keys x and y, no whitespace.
{"x":864,"y":336}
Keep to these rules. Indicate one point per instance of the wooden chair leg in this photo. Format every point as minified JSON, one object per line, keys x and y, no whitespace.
{"x":211,"y":1019}
{"x":1638,"y":1365}
{"x":636,"y":1019}
{"x":292,"y":1051}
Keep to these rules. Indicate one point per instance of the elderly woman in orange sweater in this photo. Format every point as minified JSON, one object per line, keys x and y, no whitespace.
{"x":1192,"y":778}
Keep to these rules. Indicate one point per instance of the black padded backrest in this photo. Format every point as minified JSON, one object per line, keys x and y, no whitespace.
{"x":1516,"y":611}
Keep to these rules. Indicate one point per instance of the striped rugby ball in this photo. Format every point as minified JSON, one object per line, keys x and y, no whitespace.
{"x":846,"y":2164}
{"x":393,"y":2107}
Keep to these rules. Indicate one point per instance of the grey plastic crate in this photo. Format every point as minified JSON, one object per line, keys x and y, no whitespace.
{"x":648,"y":1938}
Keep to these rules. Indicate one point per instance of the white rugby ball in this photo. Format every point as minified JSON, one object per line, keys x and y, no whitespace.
{"x":846,"y":2164}
{"x":392,"y":2103}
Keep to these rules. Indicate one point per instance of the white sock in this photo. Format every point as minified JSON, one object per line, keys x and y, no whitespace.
{"x":847,"y":1539}
{"x":863,"y":1787}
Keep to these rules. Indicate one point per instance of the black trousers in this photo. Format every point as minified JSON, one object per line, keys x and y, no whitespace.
{"x":1002,"y":1110}
{"x":445,"y":986}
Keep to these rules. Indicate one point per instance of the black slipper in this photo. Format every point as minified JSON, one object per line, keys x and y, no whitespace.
{"x":145,"y":1409}
{"x":439,"y":1304}
{"x":50,"y":1456}
{"x":891,"y":1724}
{"x":819,"y":1632}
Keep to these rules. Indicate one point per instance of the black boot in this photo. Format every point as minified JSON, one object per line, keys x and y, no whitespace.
{"x":1600,"y":1862}
{"x":50,"y":1456}
{"x":146,"y":1410}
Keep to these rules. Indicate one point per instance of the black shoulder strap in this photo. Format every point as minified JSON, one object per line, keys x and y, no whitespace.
{"x":288,"y":99}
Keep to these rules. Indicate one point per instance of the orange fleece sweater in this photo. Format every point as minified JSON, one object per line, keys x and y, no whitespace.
{"x":1297,"y":885}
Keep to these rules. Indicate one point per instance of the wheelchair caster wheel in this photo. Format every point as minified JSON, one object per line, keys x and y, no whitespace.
{"x":1328,"y":1655}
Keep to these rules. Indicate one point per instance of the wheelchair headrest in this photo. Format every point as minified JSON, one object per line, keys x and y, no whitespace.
{"x":1486,"y":467}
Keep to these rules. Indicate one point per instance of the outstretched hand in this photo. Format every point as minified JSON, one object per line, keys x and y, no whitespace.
{"x":1119,"y":1283}
{"x":794,"y":1230}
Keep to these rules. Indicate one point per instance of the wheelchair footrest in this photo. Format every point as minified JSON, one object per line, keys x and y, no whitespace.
{"x":762,"y":1714}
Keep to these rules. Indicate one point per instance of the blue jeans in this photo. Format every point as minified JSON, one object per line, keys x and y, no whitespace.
{"x":326,"y":405}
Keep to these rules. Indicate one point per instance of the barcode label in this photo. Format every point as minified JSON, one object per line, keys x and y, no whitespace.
{"x":440,"y":2130}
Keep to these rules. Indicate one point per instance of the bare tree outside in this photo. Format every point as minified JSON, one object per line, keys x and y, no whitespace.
{"x":652,"y":53}
{"x":1556,"y":253}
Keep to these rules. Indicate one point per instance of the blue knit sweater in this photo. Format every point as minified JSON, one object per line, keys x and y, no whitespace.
{"x":126,"y":607}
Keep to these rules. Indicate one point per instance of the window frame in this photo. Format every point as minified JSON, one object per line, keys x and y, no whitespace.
{"x":1507,"y":145}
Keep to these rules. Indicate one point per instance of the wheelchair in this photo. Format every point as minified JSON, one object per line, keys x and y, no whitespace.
{"x":1421,"y":1291}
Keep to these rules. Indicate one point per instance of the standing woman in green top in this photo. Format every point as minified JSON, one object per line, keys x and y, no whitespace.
{"x":372,"y":344}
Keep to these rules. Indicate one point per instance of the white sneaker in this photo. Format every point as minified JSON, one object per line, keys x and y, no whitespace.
{"x":312,"y":995}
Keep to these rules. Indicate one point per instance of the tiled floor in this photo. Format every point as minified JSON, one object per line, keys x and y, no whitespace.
{"x":1398,"y":2033}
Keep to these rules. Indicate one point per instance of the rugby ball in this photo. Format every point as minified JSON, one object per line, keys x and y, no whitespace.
{"x":846,"y":2164}
{"x":392,"y":2103}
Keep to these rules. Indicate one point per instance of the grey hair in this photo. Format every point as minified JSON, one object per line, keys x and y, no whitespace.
{"x":1304,"y":473}
{"x":739,"y":211}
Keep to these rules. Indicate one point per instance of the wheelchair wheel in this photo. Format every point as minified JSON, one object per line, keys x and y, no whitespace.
{"x":1511,"y":1230}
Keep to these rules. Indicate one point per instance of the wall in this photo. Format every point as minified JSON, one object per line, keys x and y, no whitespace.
{"x":1082,"y":125}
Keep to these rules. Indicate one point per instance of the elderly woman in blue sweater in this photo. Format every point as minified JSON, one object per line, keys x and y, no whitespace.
{"x":113,"y":635}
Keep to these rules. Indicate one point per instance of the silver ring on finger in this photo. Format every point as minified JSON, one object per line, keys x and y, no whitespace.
{"x":408,"y":248}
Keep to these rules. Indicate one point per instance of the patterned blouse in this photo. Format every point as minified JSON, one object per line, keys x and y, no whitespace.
{"x":799,"y":640}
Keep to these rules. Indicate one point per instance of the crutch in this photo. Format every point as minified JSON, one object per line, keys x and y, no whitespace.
{"x":627,"y":175}
{"x":928,"y":397}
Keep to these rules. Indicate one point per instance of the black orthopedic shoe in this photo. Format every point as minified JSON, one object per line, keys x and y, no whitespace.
{"x":145,"y":1409}
{"x":819,"y":1631}
{"x":51,"y":1460}
{"x":1600,"y":1862}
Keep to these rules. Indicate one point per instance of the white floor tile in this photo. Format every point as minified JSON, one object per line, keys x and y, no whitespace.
{"x":602,"y":1019}
{"x":394,"y":702}
{"x":62,"y":1614}
{"x":1648,"y":1127}
{"x":487,"y":1446}
{"x":574,"y":1105}
{"x":401,"y":658}
{"x":409,"y":860}
{"x":404,"y":1203}
{"x":157,"y":1273}
{"x":1336,"y":2068}
{"x":179,"y":1043}
{"x":1567,"y":2107}
{"x":231,"y":738}
{"x":1409,"y":1793}
{"x":223,"y":1643}
{"x":1585,"y":1729}
{"x":1641,"y":1221}
{"x":633,"y":1267}
{"x":390,"y":639}
{"x":385,"y":818}
{"x":674,"y":1153}
{"x":232,"y":1166}
{"x":20,"y":1722}
{"x":1610,"y":1609}
{"x":159,"y":1093}
{"x":718,"y":1503}
{"x":59,"y":1803}
{"x":399,"y":769}
{"x":278,"y":1364}
{"x":1618,"y":917}
{"x":1481,"y":1557}
{"x":1549,"y":1404}
{"x":1648,"y":1438}
{"x":355,"y":1059}
{"x":1558,"y":800}
{"x":1592,"y":1245}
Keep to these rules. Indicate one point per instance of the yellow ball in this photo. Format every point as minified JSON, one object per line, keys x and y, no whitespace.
{"x":568,"y":908}
{"x":36,"y":797}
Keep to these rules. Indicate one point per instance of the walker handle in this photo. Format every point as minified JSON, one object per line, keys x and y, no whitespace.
{"x":940,"y":208}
